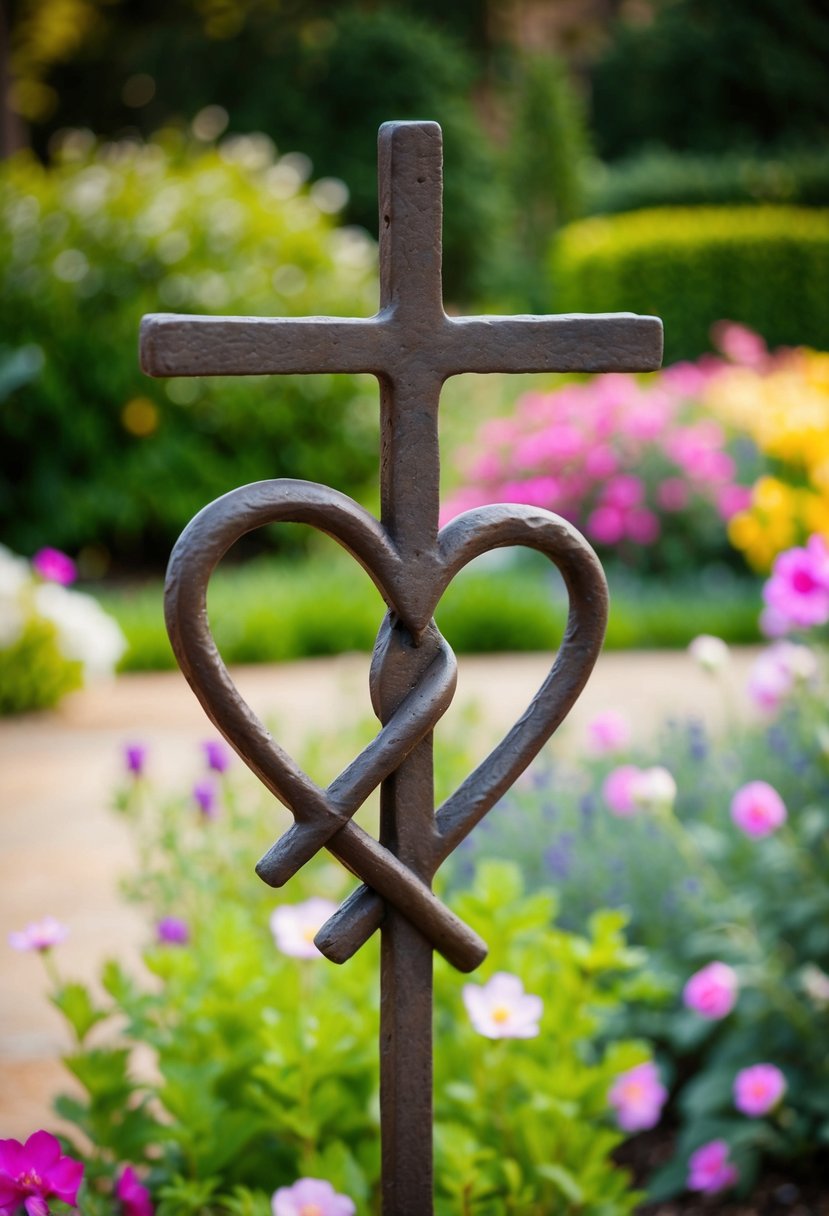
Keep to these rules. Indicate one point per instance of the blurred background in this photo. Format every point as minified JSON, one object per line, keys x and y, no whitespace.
{"x":660,"y":156}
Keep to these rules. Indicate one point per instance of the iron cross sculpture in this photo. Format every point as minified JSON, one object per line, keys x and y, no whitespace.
{"x":412,"y":346}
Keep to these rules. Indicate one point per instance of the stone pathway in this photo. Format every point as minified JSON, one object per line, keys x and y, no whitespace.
{"x":62,"y":850}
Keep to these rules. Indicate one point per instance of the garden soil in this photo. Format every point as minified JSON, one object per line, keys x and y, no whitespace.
{"x":62,"y":849}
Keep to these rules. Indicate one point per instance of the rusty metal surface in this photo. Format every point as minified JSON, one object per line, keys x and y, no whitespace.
{"x":412,"y":347}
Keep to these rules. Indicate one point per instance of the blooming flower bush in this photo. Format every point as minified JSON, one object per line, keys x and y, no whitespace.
{"x":262,"y":1099}
{"x":51,"y":639}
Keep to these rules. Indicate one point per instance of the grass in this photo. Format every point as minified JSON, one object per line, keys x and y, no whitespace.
{"x":271,"y":610}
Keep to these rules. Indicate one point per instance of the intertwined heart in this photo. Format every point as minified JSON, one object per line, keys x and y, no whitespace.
{"x":323,"y":818}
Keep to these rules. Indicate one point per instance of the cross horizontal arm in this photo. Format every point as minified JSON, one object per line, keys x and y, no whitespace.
{"x":570,"y":342}
{"x":179,"y":345}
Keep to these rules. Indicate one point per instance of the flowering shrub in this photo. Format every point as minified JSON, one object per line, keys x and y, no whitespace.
{"x":263,"y":1094}
{"x":725,"y":875}
{"x":635,"y":463}
{"x":51,"y":638}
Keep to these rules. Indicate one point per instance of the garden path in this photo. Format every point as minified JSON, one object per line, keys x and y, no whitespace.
{"x":62,"y":850}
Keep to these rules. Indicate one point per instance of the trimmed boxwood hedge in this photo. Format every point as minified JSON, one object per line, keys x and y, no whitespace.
{"x":767,"y":267}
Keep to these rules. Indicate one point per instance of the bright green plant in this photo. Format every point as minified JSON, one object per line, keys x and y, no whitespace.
{"x":264,"y":1066}
{"x":762,"y":266}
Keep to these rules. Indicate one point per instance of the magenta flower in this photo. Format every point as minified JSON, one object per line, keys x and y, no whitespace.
{"x":758,"y":1089}
{"x":712,"y":991}
{"x":501,"y":1009}
{"x":798,"y":590}
{"x":54,"y":566}
{"x":757,"y":809}
{"x":39,"y":935}
{"x":739,"y":343}
{"x":135,"y":758}
{"x":311,"y":1197}
{"x":217,"y":755}
{"x":294,"y":926}
{"x":34,"y":1172}
{"x":618,"y":790}
{"x":135,"y":1198}
{"x":709,"y":1169}
{"x":204,"y":796}
{"x":638,"y":1096}
{"x":172,"y":931}
{"x":608,"y":732}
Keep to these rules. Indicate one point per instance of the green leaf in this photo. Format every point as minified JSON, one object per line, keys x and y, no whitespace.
{"x":563,"y":1180}
{"x":75,"y":1003}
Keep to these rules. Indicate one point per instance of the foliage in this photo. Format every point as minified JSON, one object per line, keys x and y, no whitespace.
{"x":703,"y":884}
{"x":265,"y":1065}
{"x":700,"y":75}
{"x":114,"y":461}
{"x":671,"y":179}
{"x":51,"y":639}
{"x":762,"y":266}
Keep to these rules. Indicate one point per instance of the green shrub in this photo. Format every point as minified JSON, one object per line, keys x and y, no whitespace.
{"x":34,"y":674}
{"x":766,"y":267}
{"x":657,"y":178}
{"x":117,"y":461}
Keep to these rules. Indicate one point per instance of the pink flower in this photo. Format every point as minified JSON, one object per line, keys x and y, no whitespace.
{"x":217,"y":754}
{"x":54,"y":566}
{"x":618,"y":790}
{"x":606,"y":525}
{"x":135,"y":1198}
{"x":172,"y":931}
{"x":731,"y":499}
{"x":39,"y":935}
{"x":712,"y":991}
{"x":294,"y":926}
{"x":34,"y":1172}
{"x":739,"y":343}
{"x":777,"y":670}
{"x":798,"y":590}
{"x":608,"y":732}
{"x":501,"y":1009}
{"x":757,"y":809}
{"x":758,"y":1089}
{"x":204,"y":796}
{"x":624,"y":491}
{"x":642,"y":526}
{"x":638,"y":1096}
{"x":673,"y":494}
{"x":311,"y":1197}
{"x":709,"y":1169}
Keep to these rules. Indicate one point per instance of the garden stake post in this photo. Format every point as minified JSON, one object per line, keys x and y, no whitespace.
{"x":412,"y":347}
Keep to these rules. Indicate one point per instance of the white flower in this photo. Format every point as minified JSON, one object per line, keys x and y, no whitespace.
{"x":709,"y":652}
{"x":294,"y":926}
{"x":85,"y":632}
{"x":15,"y":580}
{"x":501,"y":1009}
{"x":654,"y":789}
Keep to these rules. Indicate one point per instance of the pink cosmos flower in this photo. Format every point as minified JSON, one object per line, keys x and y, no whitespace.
{"x":172,"y":931}
{"x":712,"y":991}
{"x":798,"y":589}
{"x":294,"y":926}
{"x":39,"y":935}
{"x":757,"y":809}
{"x":501,"y":1009}
{"x":638,"y":1096}
{"x":135,"y":1198}
{"x":709,"y":1170}
{"x":607,"y":732}
{"x":217,"y":754}
{"x":54,"y":566}
{"x":758,"y":1089}
{"x":34,"y":1172}
{"x":618,"y":790}
{"x":311,"y":1197}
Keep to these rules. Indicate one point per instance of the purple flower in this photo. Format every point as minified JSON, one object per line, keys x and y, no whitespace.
{"x":172,"y":931}
{"x":135,"y":1198}
{"x":311,"y":1197}
{"x":757,"y":809}
{"x":712,"y":991}
{"x":501,"y":1009}
{"x":54,"y":566}
{"x":34,"y":1172}
{"x":217,"y":755}
{"x":204,"y":795}
{"x":638,"y":1096}
{"x":39,"y":935}
{"x":294,"y":926}
{"x":135,"y":757}
{"x":798,"y":591}
{"x":709,"y":1170}
{"x":758,"y":1089}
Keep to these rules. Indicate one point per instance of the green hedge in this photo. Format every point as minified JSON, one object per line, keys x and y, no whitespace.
{"x":94,"y":454}
{"x":764,"y":266}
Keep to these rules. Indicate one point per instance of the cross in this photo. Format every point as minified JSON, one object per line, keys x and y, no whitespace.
{"x":412,"y":346}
